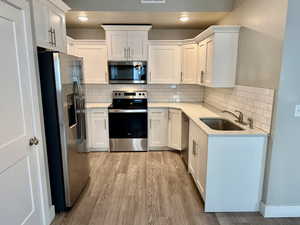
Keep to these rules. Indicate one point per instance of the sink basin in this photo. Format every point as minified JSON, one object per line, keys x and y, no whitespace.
{"x":220,"y":124}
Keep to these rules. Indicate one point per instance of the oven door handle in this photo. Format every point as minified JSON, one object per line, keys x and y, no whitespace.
{"x":127,"y":110}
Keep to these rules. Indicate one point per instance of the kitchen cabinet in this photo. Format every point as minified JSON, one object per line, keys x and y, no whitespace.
{"x":189,"y":64}
{"x":126,"y":43}
{"x":97,"y":130}
{"x":50,"y":24}
{"x":198,"y":156}
{"x":225,"y":167}
{"x":164,"y":64}
{"x":217,"y":57}
{"x":158,"y":129}
{"x":176,"y":129}
{"x":94,"y":54}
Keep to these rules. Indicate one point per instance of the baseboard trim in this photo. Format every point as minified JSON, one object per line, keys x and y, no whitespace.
{"x":277,"y":211}
{"x":51,"y":215}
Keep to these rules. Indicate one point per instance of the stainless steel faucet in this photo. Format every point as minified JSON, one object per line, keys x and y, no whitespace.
{"x":239,"y":117}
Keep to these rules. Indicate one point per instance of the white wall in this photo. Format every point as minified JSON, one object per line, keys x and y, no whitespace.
{"x":283,"y":183}
{"x":134,"y":5}
{"x":154,"y":34}
{"x":261,"y":39}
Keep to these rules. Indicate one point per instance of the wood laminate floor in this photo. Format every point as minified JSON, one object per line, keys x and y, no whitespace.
{"x":148,"y":188}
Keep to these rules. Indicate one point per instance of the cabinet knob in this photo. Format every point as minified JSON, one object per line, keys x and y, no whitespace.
{"x":33,"y":141}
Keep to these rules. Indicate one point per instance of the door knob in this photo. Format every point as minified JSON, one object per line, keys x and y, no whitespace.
{"x":33,"y":141}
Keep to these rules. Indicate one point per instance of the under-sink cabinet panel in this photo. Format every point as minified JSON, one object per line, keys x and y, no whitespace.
{"x":97,"y":130}
{"x":228,"y":170}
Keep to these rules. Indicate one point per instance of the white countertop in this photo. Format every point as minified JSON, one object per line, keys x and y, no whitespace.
{"x":97,"y":105}
{"x":195,"y":111}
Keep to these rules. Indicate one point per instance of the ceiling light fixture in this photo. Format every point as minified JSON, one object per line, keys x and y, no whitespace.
{"x":83,"y":18}
{"x":184,"y":18}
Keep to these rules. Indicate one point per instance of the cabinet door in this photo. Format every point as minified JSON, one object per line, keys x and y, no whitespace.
{"x":94,"y":63}
{"x":189,"y":64}
{"x":202,"y":61}
{"x":98,"y":129}
{"x":42,"y":24}
{"x":57,"y":23}
{"x":164,"y":64}
{"x":201,"y":161}
{"x":117,"y":45}
{"x":175,"y":122}
{"x":192,"y":148}
{"x":137,"y":45}
{"x":158,"y":128}
{"x":209,"y":61}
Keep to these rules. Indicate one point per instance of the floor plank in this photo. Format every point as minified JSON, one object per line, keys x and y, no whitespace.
{"x":147,"y":188}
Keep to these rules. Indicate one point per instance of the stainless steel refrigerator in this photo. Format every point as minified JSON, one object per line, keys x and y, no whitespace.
{"x":65,"y":127}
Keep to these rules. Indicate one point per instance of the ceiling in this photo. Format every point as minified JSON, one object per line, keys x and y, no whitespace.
{"x":159,"y":20}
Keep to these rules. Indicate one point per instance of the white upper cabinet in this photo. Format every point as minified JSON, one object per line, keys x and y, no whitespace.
{"x":217,"y":56}
{"x":127,"y":43}
{"x":164,"y":64}
{"x":189,"y":64}
{"x":94,"y":54}
{"x":50,"y":24}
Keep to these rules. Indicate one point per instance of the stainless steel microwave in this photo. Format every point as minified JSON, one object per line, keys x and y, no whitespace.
{"x":127,"y":72}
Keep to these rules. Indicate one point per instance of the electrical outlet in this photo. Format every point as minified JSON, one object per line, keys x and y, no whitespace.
{"x":297,"y":111}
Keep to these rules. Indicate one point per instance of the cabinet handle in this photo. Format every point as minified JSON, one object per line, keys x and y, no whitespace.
{"x":194,"y":147}
{"x":50,"y":36}
{"x":181,"y":77}
{"x":124,"y":52}
{"x":105,"y":124}
{"x":150,"y":123}
{"x":150,"y":76}
{"x":54,"y":38}
{"x":202,"y":76}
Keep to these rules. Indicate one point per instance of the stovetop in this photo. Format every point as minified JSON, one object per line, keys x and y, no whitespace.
{"x":129,"y":100}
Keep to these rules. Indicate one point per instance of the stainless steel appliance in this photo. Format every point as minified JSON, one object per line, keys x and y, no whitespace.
{"x":185,"y":150}
{"x":127,"y":72}
{"x":64,"y":119}
{"x":128,"y":121}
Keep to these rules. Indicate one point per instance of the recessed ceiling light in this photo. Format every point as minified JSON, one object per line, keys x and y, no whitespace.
{"x":83,"y":18}
{"x":184,"y":18}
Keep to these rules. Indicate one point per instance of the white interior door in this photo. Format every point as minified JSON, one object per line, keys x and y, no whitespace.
{"x":19,"y":202}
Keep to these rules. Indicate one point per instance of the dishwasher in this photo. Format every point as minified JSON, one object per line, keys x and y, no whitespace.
{"x":185,"y":134}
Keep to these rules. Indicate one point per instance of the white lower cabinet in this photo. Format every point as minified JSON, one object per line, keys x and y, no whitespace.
{"x":176,"y":130}
{"x":198,"y":156}
{"x":228,"y":169}
{"x":97,"y":130}
{"x":158,"y":129}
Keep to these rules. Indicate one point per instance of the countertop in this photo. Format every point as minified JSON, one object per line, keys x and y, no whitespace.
{"x":195,"y":111}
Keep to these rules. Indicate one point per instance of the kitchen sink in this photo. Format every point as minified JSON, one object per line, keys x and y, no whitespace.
{"x":220,"y":124}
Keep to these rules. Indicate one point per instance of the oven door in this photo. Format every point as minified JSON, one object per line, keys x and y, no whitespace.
{"x":127,"y":72}
{"x":128,"y":130}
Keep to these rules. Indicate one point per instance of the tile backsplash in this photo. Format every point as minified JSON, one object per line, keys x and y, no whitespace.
{"x":156,"y":92}
{"x":256,"y":103}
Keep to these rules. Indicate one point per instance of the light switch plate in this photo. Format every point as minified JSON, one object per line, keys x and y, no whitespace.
{"x":297,"y":111}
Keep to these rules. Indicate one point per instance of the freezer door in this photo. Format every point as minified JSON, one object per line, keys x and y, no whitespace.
{"x":68,"y":70}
